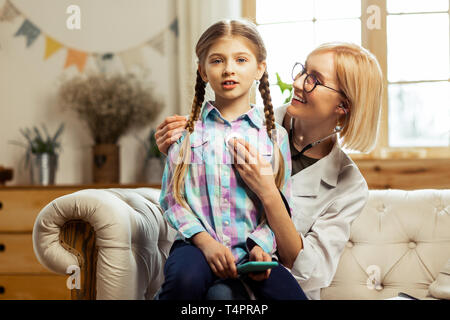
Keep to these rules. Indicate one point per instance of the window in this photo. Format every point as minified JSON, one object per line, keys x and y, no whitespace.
{"x":411,"y":44}
{"x":418,"y":73}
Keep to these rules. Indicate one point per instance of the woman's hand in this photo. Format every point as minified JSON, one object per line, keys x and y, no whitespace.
{"x":169,"y":131}
{"x":256,"y":172}
{"x":219,"y":257}
{"x":258,"y":254}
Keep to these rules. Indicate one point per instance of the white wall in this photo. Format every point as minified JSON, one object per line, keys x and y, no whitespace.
{"x":28,"y":83}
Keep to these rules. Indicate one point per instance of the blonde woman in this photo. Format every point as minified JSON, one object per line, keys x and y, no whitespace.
{"x":336,"y":92}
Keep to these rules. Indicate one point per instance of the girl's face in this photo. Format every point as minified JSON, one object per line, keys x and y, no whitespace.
{"x":318,"y":107}
{"x":231,"y":68}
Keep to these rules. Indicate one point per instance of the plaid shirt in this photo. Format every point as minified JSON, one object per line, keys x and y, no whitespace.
{"x":220,"y":201}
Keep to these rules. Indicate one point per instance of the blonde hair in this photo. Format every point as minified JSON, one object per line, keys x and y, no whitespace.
{"x":360,"y":78}
{"x":218,"y":30}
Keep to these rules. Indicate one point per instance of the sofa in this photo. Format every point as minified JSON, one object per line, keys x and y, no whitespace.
{"x":113,"y":243}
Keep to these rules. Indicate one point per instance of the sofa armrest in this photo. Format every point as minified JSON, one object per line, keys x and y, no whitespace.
{"x":124,"y":251}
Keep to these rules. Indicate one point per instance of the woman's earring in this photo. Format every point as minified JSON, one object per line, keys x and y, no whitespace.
{"x":257,"y":83}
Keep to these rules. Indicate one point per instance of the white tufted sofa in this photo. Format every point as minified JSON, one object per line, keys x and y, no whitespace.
{"x":399,"y":242}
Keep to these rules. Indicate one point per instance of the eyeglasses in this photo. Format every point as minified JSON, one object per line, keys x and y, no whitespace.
{"x":310,"y":81}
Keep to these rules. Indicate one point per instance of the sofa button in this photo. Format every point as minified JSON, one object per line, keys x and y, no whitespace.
{"x":349,"y":244}
{"x":412,"y":245}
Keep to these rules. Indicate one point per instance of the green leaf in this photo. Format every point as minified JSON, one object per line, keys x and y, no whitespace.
{"x":283,"y":85}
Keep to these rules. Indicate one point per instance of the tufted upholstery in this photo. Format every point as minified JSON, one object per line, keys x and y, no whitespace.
{"x":400,"y":242}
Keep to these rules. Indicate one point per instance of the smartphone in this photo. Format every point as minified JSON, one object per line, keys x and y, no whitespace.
{"x":256,"y":266}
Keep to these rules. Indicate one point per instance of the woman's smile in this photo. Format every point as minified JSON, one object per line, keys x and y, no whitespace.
{"x":296,"y":100}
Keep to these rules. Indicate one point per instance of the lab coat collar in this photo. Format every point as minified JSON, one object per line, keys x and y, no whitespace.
{"x":307,"y":182}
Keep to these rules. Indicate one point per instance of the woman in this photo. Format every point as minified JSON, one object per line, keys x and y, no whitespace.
{"x":338,"y":90}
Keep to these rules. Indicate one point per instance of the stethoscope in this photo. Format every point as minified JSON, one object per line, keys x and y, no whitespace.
{"x":309,"y":146}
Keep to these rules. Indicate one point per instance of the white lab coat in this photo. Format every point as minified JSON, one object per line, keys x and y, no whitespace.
{"x":327,"y":197}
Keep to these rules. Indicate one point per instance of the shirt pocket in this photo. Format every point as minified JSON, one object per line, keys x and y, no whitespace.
{"x":198,"y":149}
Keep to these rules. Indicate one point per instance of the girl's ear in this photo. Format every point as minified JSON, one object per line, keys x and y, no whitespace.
{"x":202,"y":73}
{"x":261,"y":69}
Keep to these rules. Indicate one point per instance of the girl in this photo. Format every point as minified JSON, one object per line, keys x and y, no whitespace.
{"x":337,"y":90}
{"x":203,"y":198}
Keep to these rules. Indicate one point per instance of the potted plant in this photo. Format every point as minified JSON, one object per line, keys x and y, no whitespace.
{"x":154,"y":160}
{"x":42,"y":152}
{"x":110,"y":105}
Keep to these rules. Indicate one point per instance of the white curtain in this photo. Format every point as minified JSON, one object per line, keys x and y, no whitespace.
{"x":194,"y":17}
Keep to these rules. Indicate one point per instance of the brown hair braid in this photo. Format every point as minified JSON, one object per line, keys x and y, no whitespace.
{"x":185,"y":150}
{"x":270,"y":125}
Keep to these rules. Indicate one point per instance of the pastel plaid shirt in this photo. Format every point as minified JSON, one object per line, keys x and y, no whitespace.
{"x":221,"y":203}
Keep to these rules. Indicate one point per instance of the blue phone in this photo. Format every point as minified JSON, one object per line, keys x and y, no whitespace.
{"x":256,"y":266}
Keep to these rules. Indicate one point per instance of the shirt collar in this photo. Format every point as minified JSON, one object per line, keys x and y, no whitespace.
{"x":254,"y":114}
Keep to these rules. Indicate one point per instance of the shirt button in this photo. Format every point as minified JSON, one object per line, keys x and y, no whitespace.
{"x":227,"y":222}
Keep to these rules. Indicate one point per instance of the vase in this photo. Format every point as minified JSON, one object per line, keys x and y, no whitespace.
{"x":43,"y":168}
{"x":106,"y":166}
{"x":153,"y":170}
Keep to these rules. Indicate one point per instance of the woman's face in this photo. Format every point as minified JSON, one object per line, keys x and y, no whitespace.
{"x":319,"y":107}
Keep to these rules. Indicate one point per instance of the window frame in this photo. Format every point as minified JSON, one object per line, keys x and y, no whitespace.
{"x":376,"y":42}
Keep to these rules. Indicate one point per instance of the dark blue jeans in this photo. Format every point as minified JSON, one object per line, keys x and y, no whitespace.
{"x":189,"y":277}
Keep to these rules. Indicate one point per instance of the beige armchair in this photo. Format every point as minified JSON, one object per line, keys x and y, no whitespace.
{"x":120,"y":241}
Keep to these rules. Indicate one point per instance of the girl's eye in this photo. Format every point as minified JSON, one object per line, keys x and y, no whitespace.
{"x":242,"y":60}
{"x":216,"y":61}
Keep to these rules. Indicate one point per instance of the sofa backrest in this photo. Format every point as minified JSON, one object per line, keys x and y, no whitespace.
{"x":399,"y":243}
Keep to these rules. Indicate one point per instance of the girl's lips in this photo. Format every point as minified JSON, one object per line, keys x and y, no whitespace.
{"x":228,"y":85}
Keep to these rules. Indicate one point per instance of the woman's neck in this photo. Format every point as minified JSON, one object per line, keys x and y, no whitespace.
{"x":232,"y":109}
{"x":304,"y":134}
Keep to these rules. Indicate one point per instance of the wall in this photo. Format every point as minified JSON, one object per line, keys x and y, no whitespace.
{"x":28,"y":83}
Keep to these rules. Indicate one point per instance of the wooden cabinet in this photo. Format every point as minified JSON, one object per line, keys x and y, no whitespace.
{"x":21,"y":274}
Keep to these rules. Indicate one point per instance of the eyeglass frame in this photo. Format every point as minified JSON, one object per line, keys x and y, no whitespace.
{"x":316,"y":82}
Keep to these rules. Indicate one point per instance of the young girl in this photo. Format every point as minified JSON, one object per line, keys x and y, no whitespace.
{"x":219,"y":220}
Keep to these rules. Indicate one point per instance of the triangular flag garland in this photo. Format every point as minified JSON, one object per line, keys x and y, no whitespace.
{"x":74,"y":57}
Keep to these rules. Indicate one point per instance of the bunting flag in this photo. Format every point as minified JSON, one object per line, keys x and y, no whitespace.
{"x":174,"y":27}
{"x":157,"y":43}
{"x":8,"y":12}
{"x":75,"y":57}
{"x":51,"y":46}
{"x":29,"y":30}
{"x":132,"y":57}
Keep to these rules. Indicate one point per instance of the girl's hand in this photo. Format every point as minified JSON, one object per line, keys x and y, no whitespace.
{"x":169,"y":131}
{"x":258,"y":254}
{"x":219,"y":257}
{"x":256,"y":172}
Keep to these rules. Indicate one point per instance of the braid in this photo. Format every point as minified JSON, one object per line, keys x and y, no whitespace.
{"x":270,"y":125}
{"x":185,"y":150}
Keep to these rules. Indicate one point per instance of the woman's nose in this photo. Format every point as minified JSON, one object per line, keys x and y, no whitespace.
{"x":298,"y":82}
